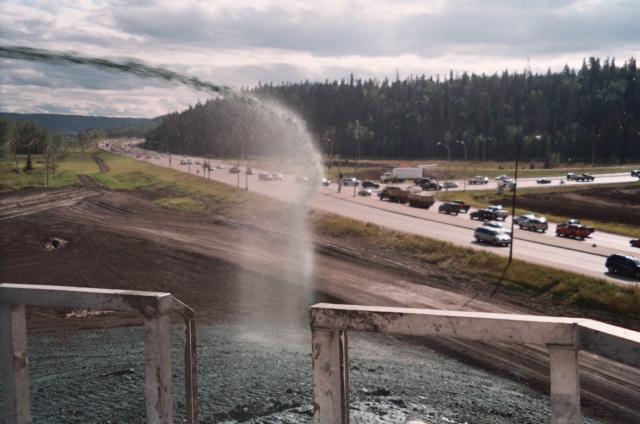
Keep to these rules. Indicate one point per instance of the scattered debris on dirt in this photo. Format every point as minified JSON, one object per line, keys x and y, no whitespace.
{"x":55,"y":243}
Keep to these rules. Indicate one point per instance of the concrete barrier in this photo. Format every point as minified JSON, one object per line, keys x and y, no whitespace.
{"x":155,"y":307}
{"x":564,"y":337}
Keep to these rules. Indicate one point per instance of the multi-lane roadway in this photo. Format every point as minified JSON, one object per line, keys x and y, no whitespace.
{"x":585,"y":257}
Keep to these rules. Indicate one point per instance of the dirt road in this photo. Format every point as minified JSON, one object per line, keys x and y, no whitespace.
{"x":122,"y":241}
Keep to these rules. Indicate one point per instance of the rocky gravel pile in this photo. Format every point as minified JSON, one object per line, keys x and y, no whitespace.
{"x":260,"y":374}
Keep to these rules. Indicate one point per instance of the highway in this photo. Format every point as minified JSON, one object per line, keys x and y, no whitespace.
{"x":585,"y":257}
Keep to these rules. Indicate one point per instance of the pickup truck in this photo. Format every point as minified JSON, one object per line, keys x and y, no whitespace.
{"x":394,"y":194}
{"x":501,"y":213}
{"x":464,"y":208}
{"x":573,"y":229}
{"x":420,"y":200}
{"x":584,"y":177}
{"x":484,"y":215}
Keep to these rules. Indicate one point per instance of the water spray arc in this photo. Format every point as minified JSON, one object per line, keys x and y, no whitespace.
{"x":287,"y":138}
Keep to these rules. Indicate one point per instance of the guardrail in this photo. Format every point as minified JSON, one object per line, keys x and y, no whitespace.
{"x":564,"y":337}
{"x":155,"y":307}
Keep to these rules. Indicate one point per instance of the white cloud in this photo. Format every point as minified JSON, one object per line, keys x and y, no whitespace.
{"x":241,"y":42}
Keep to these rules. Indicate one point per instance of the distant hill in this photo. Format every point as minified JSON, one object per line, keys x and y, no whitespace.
{"x":74,"y":124}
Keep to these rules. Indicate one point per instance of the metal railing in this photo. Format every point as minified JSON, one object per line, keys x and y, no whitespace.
{"x":564,"y":337}
{"x":155,"y":307}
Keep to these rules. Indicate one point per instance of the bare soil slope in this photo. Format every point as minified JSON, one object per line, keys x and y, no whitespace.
{"x":122,"y":241}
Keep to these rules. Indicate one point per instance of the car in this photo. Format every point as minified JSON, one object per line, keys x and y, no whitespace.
{"x":370,"y":184}
{"x":350,"y":182}
{"x":507,"y":184}
{"x":198,"y":162}
{"x":522,"y":218}
{"x":449,"y":208}
{"x":635,"y":173}
{"x":431,"y":186}
{"x":535,"y":224}
{"x":502,"y":177}
{"x":265,"y":176}
{"x":249,"y":171}
{"x":365,"y":192}
{"x":623,"y":264}
{"x":183,"y":162}
{"x":277,"y":176}
{"x":634,"y":243}
{"x":450,"y":184}
{"x":543,"y":181}
{"x":478,"y":179}
{"x":421,"y":181}
{"x":414,"y":189}
{"x":493,"y":236}
{"x":234,"y":170}
{"x":497,"y":225}
{"x":483,"y":215}
{"x":219,"y":166}
{"x":325,"y":182}
{"x":570,"y":176}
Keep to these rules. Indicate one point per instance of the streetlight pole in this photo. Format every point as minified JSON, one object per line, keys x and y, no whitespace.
{"x":464,"y":182}
{"x":513,"y":200}
{"x":448,"y":157}
{"x":355,"y":172}
{"x":446,"y":193}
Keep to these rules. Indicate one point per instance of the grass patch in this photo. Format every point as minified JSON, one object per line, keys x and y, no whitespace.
{"x":570,"y":288}
{"x":183,"y":204}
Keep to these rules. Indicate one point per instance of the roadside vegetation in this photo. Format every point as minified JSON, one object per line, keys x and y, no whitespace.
{"x":582,"y":291}
{"x":191,"y":194}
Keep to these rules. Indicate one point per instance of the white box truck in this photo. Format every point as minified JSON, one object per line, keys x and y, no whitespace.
{"x":401,"y":174}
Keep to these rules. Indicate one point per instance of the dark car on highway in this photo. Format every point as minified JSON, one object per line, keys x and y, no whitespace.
{"x":431,"y":186}
{"x":635,"y":173}
{"x":484,"y":215}
{"x":584,"y":177}
{"x":449,"y":208}
{"x":634,"y":242}
{"x":623,"y":264}
{"x":370,"y":184}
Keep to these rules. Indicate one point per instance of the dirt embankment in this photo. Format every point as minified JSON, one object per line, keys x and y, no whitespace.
{"x":601,"y":204}
{"x":123,"y":241}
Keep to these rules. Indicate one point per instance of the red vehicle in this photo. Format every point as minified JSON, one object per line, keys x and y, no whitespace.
{"x":573,"y":229}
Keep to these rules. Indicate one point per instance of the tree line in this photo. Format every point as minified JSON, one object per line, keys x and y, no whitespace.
{"x":25,"y":138}
{"x":571,"y":115}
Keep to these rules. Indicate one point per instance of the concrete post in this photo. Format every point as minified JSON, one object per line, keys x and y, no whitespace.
{"x":330,"y":376}
{"x":190,"y":383}
{"x":157,"y":355}
{"x":565,"y":385}
{"x":15,"y":365}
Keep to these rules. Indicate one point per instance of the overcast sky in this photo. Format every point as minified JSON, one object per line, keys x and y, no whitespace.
{"x":242,"y":42}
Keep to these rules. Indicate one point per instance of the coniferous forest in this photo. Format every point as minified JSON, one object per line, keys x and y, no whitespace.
{"x":572,"y":115}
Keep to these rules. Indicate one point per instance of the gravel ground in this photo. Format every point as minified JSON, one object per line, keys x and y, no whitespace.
{"x":251,"y":373}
